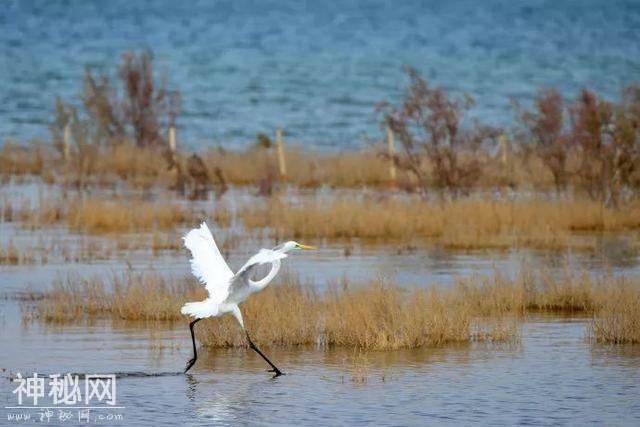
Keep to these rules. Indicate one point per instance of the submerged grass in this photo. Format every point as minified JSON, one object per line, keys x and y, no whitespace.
{"x":462,"y":224}
{"x":373,"y":316}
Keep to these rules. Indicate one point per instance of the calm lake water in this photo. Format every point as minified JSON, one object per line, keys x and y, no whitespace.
{"x":315,"y":68}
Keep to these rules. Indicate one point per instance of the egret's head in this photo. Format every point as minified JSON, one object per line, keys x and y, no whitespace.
{"x":291,"y":245}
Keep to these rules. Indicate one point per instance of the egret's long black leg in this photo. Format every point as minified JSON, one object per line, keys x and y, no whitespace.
{"x":192,"y":361}
{"x":257,"y":350}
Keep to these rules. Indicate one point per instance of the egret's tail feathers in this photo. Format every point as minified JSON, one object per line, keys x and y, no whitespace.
{"x":200,"y":309}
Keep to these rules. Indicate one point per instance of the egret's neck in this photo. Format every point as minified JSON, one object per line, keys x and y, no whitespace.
{"x":275,"y":267}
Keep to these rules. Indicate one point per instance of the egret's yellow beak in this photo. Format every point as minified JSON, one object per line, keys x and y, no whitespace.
{"x":306,"y":247}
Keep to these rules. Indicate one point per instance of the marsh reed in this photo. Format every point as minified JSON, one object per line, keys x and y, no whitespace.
{"x":375,"y":316}
{"x":95,"y":215}
{"x":617,"y":318}
{"x":128,"y":296}
{"x":465,"y":224}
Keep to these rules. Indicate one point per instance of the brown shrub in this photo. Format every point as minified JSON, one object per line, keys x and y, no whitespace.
{"x":428,"y":122}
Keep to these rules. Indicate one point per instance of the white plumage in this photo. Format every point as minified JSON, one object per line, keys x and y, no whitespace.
{"x":207,"y":263}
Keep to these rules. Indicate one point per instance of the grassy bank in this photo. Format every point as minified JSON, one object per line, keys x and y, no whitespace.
{"x":375,"y":315}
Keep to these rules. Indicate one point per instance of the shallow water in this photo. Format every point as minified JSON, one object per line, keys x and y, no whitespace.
{"x":428,"y":264}
{"x":315,"y":68}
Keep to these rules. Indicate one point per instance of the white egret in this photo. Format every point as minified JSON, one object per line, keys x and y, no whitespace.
{"x":227,"y":290}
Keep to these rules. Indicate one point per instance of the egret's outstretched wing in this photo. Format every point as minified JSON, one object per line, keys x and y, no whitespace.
{"x":207,"y":263}
{"x":264,"y":256}
{"x":242,"y":277}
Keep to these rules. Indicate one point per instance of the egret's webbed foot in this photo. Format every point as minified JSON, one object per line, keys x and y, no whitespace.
{"x":274,"y":368}
{"x":276,"y":372}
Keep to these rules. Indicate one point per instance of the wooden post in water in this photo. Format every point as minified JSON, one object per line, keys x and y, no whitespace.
{"x":504,"y":148}
{"x":172,"y":138}
{"x":391,"y":147}
{"x":280,"y":150}
{"x":66,"y":141}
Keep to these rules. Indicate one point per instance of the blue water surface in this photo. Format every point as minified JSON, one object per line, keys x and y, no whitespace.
{"x":316,"y":68}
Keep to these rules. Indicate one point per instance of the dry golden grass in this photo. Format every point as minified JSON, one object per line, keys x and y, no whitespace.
{"x":93,"y":215}
{"x":99,"y":216}
{"x":47,"y":212}
{"x":143,"y":297}
{"x":123,"y":162}
{"x":373,"y":316}
{"x":164,"y":242}
{"x":142,"y":168}
{"x":617,"y":318}
{"x":22,"y":159}
{"x":71,"y":300}
{"x":304,"y":168}
{"x":391,"y":320}
{"x":377,"y":316}
{"x":138,"y":167}
{"x":128,"y":297}
{"x":538,"y":292}
{"x":12,"y":255}
{"x":460,"y":224}
{"x":463,"y":224}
